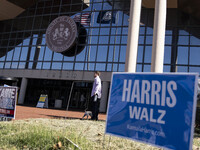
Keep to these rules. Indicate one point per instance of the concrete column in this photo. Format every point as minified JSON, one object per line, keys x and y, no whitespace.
{"x":104,"y":97}
{"x":133,"y":35}
{"x":22,"y":91}
{"x":157,"y":58}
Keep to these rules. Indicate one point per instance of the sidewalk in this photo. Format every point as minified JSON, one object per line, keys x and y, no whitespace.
{"x":24,"y":112}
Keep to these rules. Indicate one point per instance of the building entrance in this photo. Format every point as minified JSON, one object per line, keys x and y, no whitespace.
{"x":74,"y":92}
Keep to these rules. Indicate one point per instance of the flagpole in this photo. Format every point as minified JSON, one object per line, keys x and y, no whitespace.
{"x":90,"y":40}
{"x":115,"y":38}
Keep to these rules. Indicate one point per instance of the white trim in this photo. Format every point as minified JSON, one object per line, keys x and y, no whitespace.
{"x":194,"y":111}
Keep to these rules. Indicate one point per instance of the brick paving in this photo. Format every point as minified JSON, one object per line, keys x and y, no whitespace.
{"x":25,"y":112}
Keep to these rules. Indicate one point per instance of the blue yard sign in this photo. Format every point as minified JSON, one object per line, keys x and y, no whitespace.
{"x":158,"y":109}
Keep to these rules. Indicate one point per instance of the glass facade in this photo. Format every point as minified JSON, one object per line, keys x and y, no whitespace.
{"x":23,"y":46}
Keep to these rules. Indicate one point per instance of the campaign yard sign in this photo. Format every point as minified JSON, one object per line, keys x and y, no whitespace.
{"x":43,"y":101}
{"x":158,"y":109}
{"x":8,"y":98}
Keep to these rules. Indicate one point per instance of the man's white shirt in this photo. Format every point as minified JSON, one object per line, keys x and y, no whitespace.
{"x":96,"y":89}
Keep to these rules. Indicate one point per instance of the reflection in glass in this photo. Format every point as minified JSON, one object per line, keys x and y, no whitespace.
{"x":149,"y":30}
{"x":168,"y":32}
{"x":115,"y":39}
{"x":109,"y":67}
{"x":104,"y":31}
{"x":2,"y":58}
{"x":142,"y":30}
{"x":102,"y":53}
{"x":141,"y":39}
{"x":140,"y":54}
{"x":57,"y":56}
{"x":182,"y":69}
{"x":41,"y":53}
{"x":194,"y":69}
{"x":147,"y":68}
{"x":149,"y":40}
{"x":79,"y":66}
{"x":39,"y":65}
{"x":48,"y":54}
{"x":26,"y":42}
{"x":24,"y":53}
{"x":14,"y":65}
{"x":195,"y":55}
{"x":91,"y":66}
{"x":139,"y":68}
{"x":167,"y":54}
{"x":94,"y":39}
{"x":100,"y":67}
{"x":21,"y":65}
{"x":103,"y":39}
{"x":68,"y":66}
{"x":194,"y":41}
{"x":56,"y":66}
{"x":9,"y":55}
{"x":125,"y":31}
{"x":114,"y":67}
{"x":183,"y":32}
{"x":147,"y":57}
{"x":32,"y":53}
{"x":116,"y":53}
{"x":92,"y":53}
{"x":17,"y":53}
{"x":166,"y":68}
{"x":95,"y":31}
{"x":30,"y":65}
{"x":81,"y":56}
{"x":66,"y":58}
{"x":183,"y":40}
{"x":182,"y":55}
{"x":124,"y":39}
{"x":1,"y":65}
{"x":7,"y":65}
{"x":122,"y":54}
{"x":46,"y":65}
{"x":125,"y":21}
{"x":34,"y":41}
{"x":168,"y":40}
{"x":106,"y":46}
{"x":121,"y":67}
{"x":110,"y":53}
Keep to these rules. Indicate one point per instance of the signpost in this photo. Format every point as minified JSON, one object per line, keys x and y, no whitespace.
{"x":158,"y":109}
{"x":8,"y":98}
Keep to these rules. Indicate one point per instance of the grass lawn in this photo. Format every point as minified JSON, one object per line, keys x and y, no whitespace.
{"x":66,"y":134}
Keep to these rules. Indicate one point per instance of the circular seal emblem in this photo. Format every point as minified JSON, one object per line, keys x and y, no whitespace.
{"x":61,"y":34}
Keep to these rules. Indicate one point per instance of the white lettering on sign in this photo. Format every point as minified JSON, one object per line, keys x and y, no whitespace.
{"x":140,"y":113}
{"x":158,"y":91}
{"x":153,"y":93}
{"x":7,"y":93}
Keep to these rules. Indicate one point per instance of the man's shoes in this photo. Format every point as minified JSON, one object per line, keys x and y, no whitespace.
{"x":96,"y":119}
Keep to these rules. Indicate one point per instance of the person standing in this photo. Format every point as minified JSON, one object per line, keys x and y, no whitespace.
{"x":96,"y":95}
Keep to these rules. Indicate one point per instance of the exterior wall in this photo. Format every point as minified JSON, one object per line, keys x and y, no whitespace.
{"x":56,"y":75}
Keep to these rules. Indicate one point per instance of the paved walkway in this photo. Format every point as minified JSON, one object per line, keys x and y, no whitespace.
{"x":24,"y":112}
